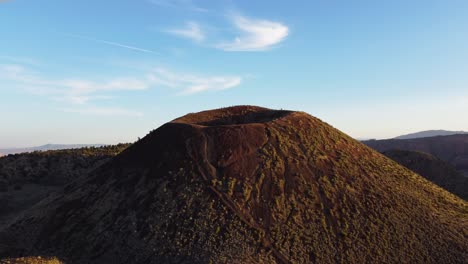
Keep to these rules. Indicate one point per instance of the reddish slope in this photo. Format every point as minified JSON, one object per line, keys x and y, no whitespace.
{"x":247,"y":185}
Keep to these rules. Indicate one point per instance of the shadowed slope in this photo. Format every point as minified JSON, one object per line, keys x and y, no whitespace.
{"x":433,"y":169}
{"x":27,"y":178}
{"x":247,"y":185}
{"x":452,"y":149}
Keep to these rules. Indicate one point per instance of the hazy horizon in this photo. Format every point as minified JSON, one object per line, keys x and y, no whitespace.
{"x":106,"y":72}
{"x":118,"y":142}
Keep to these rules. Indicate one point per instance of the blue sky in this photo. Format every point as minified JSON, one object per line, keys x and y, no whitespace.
{"x":111,"y":71}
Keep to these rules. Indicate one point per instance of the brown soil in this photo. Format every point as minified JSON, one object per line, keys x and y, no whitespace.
{"x":246,"y":185}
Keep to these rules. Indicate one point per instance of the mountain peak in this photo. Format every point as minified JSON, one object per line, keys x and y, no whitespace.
{"x":247,"y":184}
{"x":236,"y":115}
{"x":430,"y":133}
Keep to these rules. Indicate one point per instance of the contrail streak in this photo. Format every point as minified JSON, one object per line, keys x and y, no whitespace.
{"x":110,"y":43}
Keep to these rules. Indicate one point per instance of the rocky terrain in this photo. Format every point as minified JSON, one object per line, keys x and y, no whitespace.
{"x":245,"y":185}
{"x":27,"y":178}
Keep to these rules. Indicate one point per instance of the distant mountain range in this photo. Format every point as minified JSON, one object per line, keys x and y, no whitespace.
{"x":430,"y":133}
{"x":46,"y":147}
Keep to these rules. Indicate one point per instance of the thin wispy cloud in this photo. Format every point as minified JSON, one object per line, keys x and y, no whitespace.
{"x":190,"y":84}
{"x":111,"y":43}
{"x":86,"y":87}
{"x":179,"y":4}
{"x":80,"y":92}
{"x":192,"y":30}
{"x":76,"y":91}
{"x":104,"y":111}
{"x":255,"y":34}
{"x":21,"y":60}
{"x":11,"y":71}
{"x":81,"y":99}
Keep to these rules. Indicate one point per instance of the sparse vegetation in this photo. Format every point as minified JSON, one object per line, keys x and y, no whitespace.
{"x":288,"y":189}
{"x":27,"y":178}
{"x":433,"y":169}
{"x":54,"y":167}
{"x":32,"y":260}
